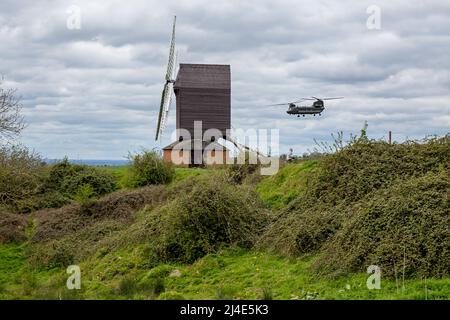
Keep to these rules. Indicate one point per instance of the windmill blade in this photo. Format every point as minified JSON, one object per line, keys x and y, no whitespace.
{"x":166,"y":99}
{"x":161,"y":112}
{"x":167,"y":92}
{"x":175,"y":67}
{"x":170,"y":64}
{"x":167,"y":102}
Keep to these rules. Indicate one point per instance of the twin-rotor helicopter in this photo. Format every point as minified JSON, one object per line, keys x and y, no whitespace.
{"x":302,"y":110}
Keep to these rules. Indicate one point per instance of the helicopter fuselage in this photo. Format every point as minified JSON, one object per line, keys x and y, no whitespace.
{"x":316,"y":108}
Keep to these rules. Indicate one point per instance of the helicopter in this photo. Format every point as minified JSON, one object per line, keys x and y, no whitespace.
{"x":316,"y":108}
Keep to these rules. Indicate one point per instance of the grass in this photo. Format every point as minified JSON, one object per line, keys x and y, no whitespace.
{"x":121,"y":268}
{"x":182,"y":174}
{"x":122,"y":174}
{"x":12,"y":259}
{"x":247,"y":274}
{"x":290,"y":182}
{"x":232,"y":274}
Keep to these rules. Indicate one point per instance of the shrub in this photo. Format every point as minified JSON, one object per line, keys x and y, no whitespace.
{"x":55,"y":254}
{"x":12,"y":227}
{"x":58,"y":172}
{"x":68,"y":178}
{"x":405,"y":226}
{"x":237,"y":173}
{"x":50,"y":199}
{"x":148,"y":168}
{"x":363,"y":167}
{"x":73,"y":247}
{"x":20,"y":174}
{"x":84,"y":194}
{"x":120,"y":206}
{"x":343,"y":190}
{"x":200,"y":221}
{"x":99,"y":182}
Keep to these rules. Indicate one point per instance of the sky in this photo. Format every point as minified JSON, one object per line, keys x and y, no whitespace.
{"x":90,"y":73}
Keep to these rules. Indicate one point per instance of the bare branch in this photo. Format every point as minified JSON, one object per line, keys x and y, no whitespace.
{"x":11,"y":118}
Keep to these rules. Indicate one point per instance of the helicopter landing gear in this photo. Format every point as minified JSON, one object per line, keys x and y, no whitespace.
{"x":303,"y":115}
{"x":314,"y":114}
{"x":298,"y":116}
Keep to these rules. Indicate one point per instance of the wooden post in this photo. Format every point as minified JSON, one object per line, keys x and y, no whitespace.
{"x":390,"y":137}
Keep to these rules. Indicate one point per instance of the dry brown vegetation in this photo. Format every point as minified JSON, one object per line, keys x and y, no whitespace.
{"x":12,"y":227}
{"x":120,"y":207}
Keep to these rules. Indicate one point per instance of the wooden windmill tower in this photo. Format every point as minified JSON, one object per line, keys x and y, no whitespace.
{"x":203,"y":93}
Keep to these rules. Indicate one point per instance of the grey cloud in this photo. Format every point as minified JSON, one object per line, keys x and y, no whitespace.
{"x":94,"y":92}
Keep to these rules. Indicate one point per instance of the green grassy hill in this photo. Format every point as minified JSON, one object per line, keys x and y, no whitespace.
{"x":308,"y":232}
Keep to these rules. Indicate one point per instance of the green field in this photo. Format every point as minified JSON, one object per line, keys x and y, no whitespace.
{"x":229,"y":274}
{"x":124,"y":253}
{"x":122,"y":173}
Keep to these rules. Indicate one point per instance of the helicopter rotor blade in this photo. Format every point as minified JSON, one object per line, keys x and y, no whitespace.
{"x":278,"y":104}
{"x":284,"y":104}
{"x":332,"y":98}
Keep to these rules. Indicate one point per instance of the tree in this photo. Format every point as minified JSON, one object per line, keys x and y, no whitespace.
{"x":11,"y":119}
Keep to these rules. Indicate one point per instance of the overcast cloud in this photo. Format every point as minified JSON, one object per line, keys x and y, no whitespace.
{"x":94,"y":93}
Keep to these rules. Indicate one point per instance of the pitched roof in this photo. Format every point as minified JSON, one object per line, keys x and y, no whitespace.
{"x":187,"y":144}
{"x":205,"y":76}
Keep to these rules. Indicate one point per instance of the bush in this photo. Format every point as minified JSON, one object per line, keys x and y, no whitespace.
{"x":202,"y":220}
{"x":84,"y":194}
{"x":99,"y":182}
{"x":69,"y":179}
{"x":342,"y":191}
{"x":12,"y":227}
{"x":72,"y":248}
{"x":405,"y":226}
{"x":148,"y":168}
{"x":237,"y":173}
{"x":120,"y":206}
{"x":51,"y":199}
{"x":27,"y":184}
{"x":20,"y":175}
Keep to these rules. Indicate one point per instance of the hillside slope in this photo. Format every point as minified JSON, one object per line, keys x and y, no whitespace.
{"x":309,"y":232}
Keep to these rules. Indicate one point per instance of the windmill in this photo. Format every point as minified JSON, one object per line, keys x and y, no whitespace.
{"x":167,"y":93}
{"x":203,"y":96}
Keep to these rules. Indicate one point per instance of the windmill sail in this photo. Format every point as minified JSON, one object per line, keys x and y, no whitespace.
{"x":167,"y":92}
